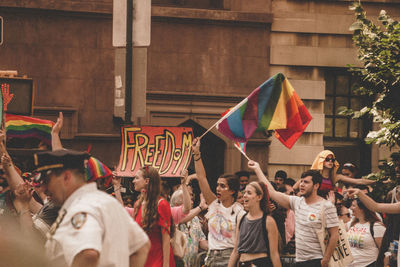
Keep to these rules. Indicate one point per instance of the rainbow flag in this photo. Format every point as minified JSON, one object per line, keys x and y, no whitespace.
{"x":240,"y":146}
{"x":96,"y":170}
{"x":274,"y":105}
{"x":28,"y":127}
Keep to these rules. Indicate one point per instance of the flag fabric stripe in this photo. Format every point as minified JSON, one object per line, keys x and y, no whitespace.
{"x":25,"y":120}
{"x":232,"y":120}
{"x":96,"y":170}
{"x":272,"y":106}
{"x":28,"y":127}
{"x":269,"y":101}
{"x":23,"y":128}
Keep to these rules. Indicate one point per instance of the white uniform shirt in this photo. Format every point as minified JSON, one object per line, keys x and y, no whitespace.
{"x":94,"y":220}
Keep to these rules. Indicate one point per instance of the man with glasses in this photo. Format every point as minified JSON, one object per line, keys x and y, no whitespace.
{"x":92,"y":228}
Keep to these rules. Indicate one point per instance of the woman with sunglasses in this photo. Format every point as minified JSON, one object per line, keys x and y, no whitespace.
{"x":327,"y":164}
{"x":256,"y":241}
{"x":153,"y":214}
{"x":364,"y":235}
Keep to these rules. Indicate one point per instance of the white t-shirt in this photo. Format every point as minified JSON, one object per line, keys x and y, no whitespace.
{"x":307,"y":223}
{"x":91,"y":219}
{"x":222,"y":224}
{"x":362,"y":244}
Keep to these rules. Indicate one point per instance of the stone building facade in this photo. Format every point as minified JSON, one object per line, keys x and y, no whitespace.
{"x":204,"y":57}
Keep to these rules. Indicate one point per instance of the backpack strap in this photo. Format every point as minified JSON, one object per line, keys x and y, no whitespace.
{"x":265,"y":232}
{"x":371,"y":229}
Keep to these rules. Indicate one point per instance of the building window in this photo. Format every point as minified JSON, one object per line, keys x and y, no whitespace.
{"x":339,"y":96}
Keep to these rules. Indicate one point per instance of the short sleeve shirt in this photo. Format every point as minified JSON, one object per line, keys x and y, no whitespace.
{"x":307,"y":224}
{"x":91,"y":219}
{"x":362,"y":244}
{"x":222,"y":224}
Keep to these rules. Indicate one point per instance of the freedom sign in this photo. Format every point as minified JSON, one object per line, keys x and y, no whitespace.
{"x":167,"y":149}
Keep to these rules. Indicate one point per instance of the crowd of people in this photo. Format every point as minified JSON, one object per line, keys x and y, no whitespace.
{"x":246,"y":221}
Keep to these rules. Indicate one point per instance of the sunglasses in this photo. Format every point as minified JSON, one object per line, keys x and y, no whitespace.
{"x":330,"y":159}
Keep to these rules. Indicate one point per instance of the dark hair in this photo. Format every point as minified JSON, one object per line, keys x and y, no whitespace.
{"x":289,"y":181}
{"x":242,"y":173}
{"x":369,"y":215}
{"x":351,"y":167}
{"x":315,"y":174}
{"x":281,"y":174}
{"x":233,"y":183}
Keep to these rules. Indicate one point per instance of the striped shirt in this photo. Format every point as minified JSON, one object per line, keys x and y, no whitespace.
{"x":307,"y":223}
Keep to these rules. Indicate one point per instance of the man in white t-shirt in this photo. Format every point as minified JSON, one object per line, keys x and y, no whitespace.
{"x":307,"y":209}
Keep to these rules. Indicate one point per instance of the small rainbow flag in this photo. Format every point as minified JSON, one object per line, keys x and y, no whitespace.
{"x":240,"y":146}
{"x":95,"y":169}
{"x":28,"y":127}
{"x":274,"y":105}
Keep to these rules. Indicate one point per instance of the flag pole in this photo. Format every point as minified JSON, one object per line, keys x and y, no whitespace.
{"x":241,"y":151}
{"x":225,"y":116}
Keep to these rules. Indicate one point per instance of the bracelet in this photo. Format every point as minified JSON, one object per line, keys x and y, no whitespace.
{"x":200,"y":208}
{"x":197,"y":158}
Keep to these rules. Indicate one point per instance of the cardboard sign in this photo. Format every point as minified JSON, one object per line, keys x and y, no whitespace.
{"x":166,"y":148}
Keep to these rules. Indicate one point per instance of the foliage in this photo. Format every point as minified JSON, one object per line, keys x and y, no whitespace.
{"x":379,"y":78}
{"x":386,"y":178}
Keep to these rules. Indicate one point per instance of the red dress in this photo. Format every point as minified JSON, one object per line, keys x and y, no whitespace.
{"x":155,"y":257}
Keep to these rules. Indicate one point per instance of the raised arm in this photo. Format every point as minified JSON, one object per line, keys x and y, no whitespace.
{"x":187,"y":203}
{"x":21,"y":203}
{"x":281,"y":198}
{"x":11,"y":174}
{"x":55,"y":133}
{"x":392,"y":208}
{"x":346,"y":179}
{"x":196,"y":211}
{"x":201,"y":173}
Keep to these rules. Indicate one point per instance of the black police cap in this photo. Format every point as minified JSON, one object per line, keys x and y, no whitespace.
{"x":60,"y":159}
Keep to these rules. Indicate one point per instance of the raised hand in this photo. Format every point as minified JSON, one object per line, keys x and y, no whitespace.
{"x":353,"y":192}
{"x":196,"y":146}
{"x":6,"y":160}
{"x":23,"y":196}
{"x":59,"y":124}
{"x":7,"y":97}
{"x":253,"y":164}
{"x":203,"y":204}
{"x":331,"y":197}
{"x":184,"y":178}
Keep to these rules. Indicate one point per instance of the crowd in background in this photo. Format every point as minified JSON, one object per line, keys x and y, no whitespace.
{"x":247,"y":220}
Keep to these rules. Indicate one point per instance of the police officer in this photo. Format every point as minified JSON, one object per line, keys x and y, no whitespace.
{"x":92,"y":228}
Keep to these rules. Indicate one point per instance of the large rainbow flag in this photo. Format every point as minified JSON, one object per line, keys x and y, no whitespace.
{"x":27,"y":127}
{"x":274,"y":105}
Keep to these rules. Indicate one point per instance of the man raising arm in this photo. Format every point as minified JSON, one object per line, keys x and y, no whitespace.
{"x":308,"y":210}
